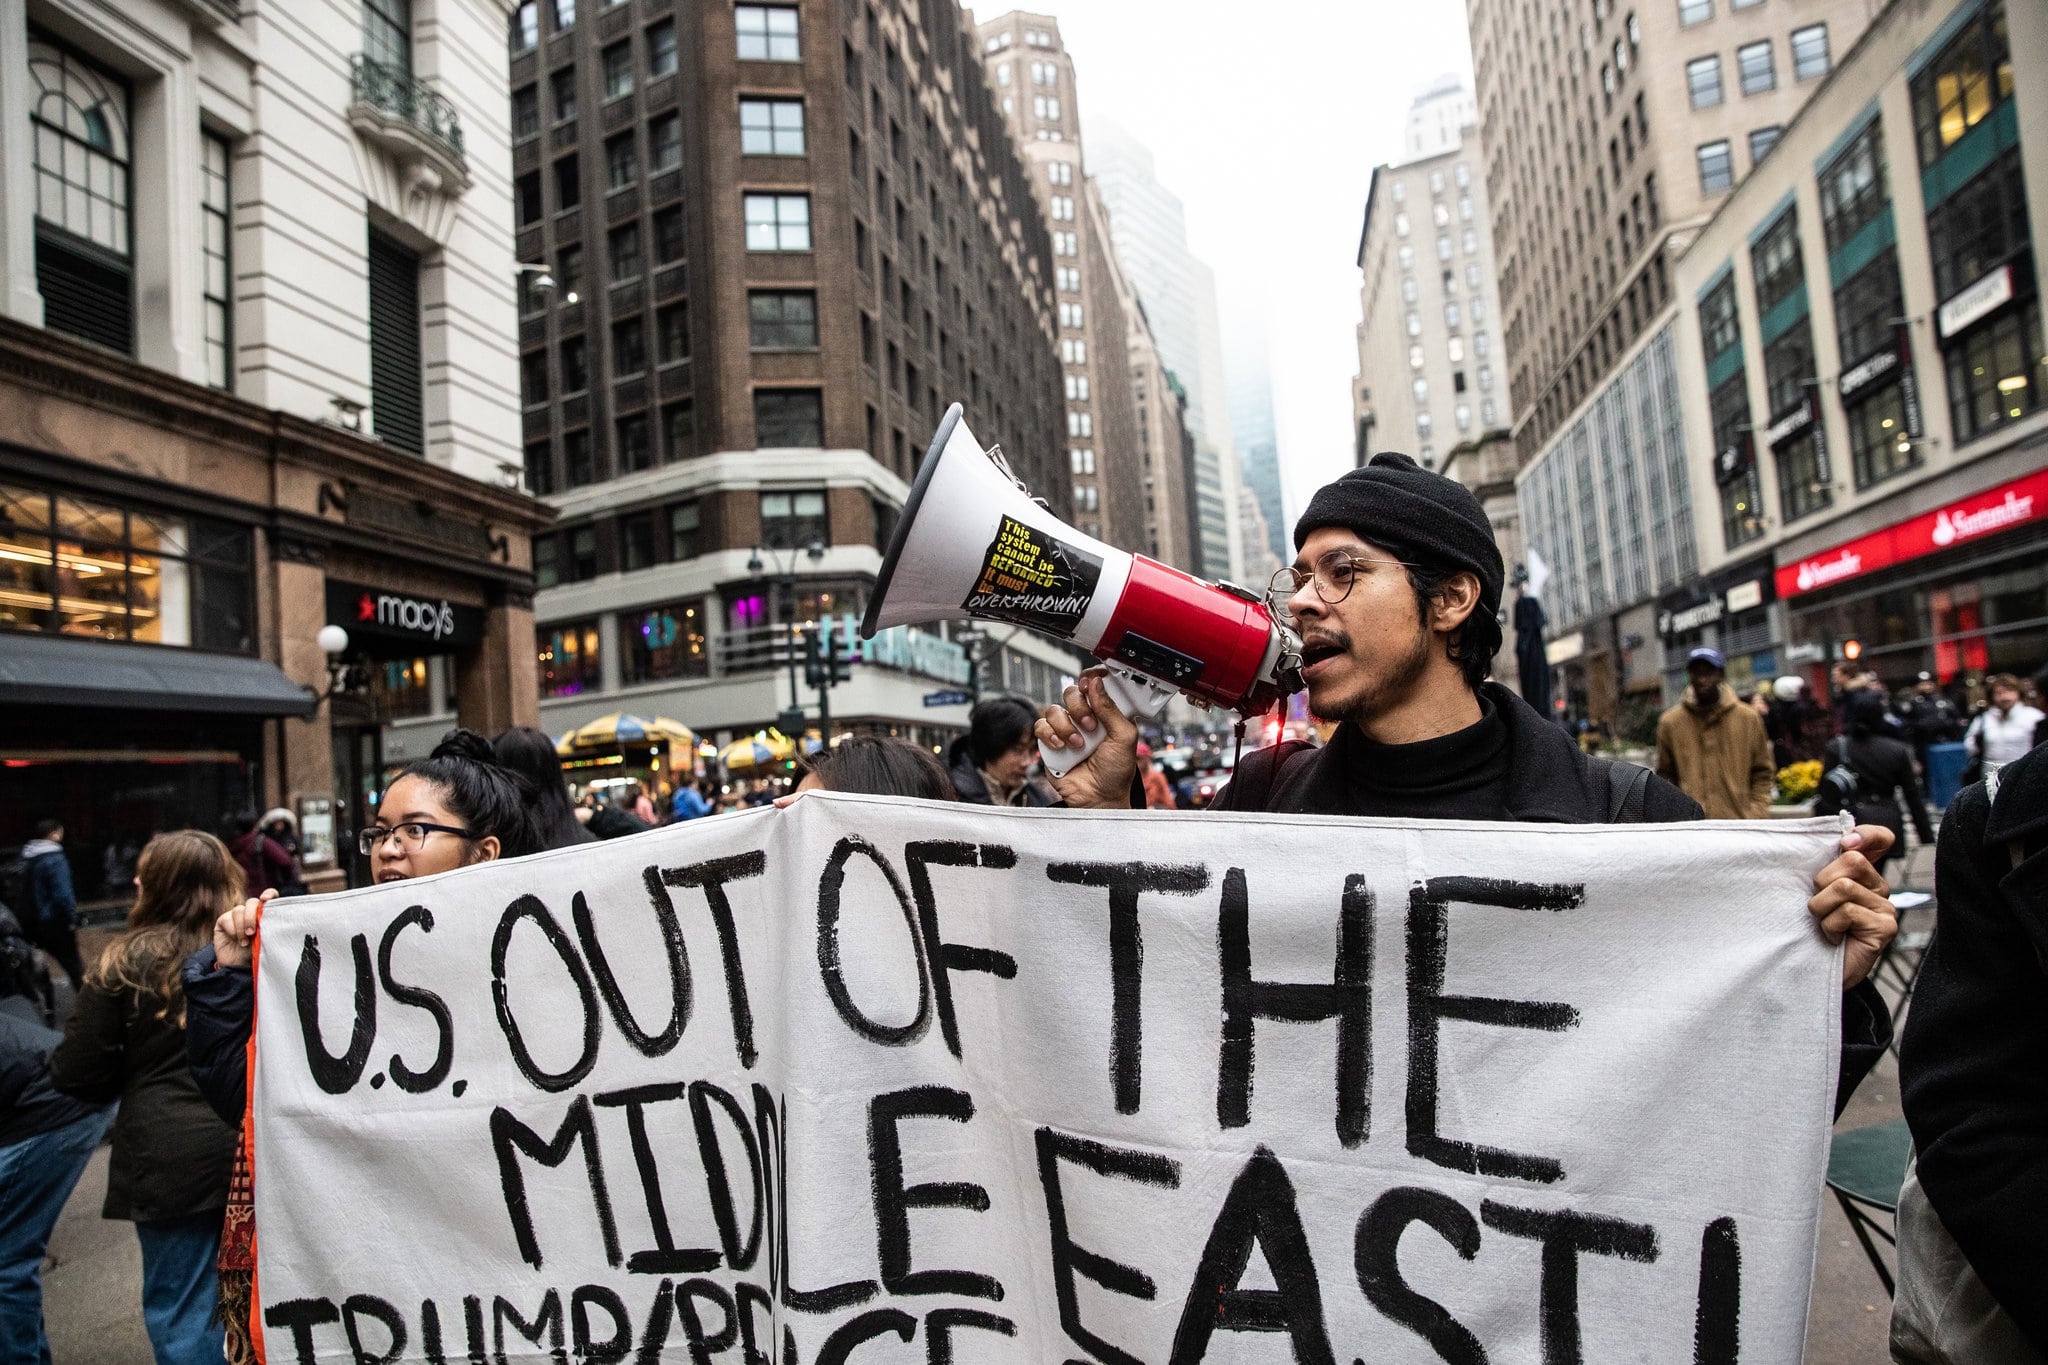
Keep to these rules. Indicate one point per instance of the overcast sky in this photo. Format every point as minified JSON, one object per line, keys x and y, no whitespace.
{"x":1267,"y":121}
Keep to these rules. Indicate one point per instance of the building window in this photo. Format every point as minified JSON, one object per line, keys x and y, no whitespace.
{"x":1775,"y":262}
{"x":1735,"y":459}
{"x":1868,"y":307}
{"x":1809,"y":52}
{"x":672,"y":324}
{"x":76,"y":566}
{"x":767,"y":33}
{"x":525,"y":112}
{"x":668,"y":236}
{"x":569,"y":273}
{"x":540,"y":481}
{"x":685,"y":531}
{"x":1717,"y":167}
{"x":661,"y":49}
{"x":1720,"y":328}
{"x":665,"y":642}
{"x":565,"y":15}
{"x":1803,"y":479}
{"x":635,"y":452}
{"x":1062,"y":208}
{"x":562,"y":88}
{"x":215,"y":206}
{"x":1487,"y":416}
{"x":636,"y":541}
{"x":778,"y":222}
{"x":1964,"y":83}
{"x":618,"y":70}
{"x":397,"y":379}
{"x":579,"y":469}
{"x":1997,"y":373}
{"x":1454,"y":348}
{"x":533,"y":378}
{"x":1788,"y":369}
{"x":1422,"y":425}
{"x":526,"y":207}
{"x":569,"y":664}
{"x":575,"y":365}
{"x":387,"y":34}
{"x":1451,"y":315}
{"x":772,"y":127}
{"x":1880,"y":446}
{"x":1761,"y":140}
{"x":568,"y":183}
{"x":1080,"y":424}
{"x":1407,"y":257}
{"x":1852,"y":187}
{"x":665,"y":142}
{"x":1083,"y":458}
{"x":789,"y":417}
{"x":794,"y":520}
{"x":782,"y":320}
{"x":1462,"y":414}
{"x":525,"y":30}
{"x":621,"y":161}
{"x":623,"y":247}
{"x":84,"y":252}
{"x":1980,"y":227}
{"x":1757,"y":68}
{"x":1060,"y":172}
{"x":1400,"y":225}
{"x":1703,"y":79}
{"x":1409,"y":290}
{"x":1478,"y":343}
{"x":679,"y":430}
{"x":629,"y":347}
{"x":1470,"y":242}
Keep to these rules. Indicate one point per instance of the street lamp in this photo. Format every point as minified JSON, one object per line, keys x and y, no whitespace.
{"x":543,"y":281}
{"x":786,"y":579}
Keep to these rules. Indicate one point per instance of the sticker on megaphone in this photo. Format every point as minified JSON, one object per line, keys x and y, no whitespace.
{"x":1034,"y":579}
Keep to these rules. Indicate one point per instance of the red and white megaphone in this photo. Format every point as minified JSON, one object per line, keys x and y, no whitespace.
{"x":973,"y":542}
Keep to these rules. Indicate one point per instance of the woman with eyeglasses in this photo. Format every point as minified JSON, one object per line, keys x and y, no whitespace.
{"x":447,"y":811}
{"x":990,"y":765}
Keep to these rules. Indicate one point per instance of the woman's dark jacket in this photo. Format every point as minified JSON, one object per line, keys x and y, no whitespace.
{"x":1885,"y":774}
{"x":172,"y":1153}
{"x":220,"y":1010}
{"x":1548,"y":780}
{"x":1973,"y":1064}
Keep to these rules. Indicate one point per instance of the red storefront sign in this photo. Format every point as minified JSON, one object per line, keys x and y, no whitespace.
{"x":1985,"y":514}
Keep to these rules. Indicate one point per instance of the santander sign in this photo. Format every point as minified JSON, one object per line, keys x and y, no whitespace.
{"x":1997,"y":509}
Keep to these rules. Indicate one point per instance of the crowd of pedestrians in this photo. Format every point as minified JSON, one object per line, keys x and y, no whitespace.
{"x":1395,"y":594}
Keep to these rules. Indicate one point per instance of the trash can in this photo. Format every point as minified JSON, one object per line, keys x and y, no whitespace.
{"x":1945,"y":764}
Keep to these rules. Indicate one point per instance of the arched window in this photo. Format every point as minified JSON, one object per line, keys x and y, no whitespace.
{"x":84,"y":247}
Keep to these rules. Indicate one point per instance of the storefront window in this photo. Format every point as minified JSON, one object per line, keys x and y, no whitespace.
{"x":1997,"y":373}
{"x":402,"y":689}
{"x":75,"y":566}
{"x":666,"y":642}
{"x":569,"y":659}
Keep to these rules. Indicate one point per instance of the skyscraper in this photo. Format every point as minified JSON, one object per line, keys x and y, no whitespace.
{"x":1251,"y":427}
{"x":1149,"y":228}
{"x":783,"y":237}
{"x":1034,"y":84}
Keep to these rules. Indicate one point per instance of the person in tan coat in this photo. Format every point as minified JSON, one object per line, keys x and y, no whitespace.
{"x":1713,"y":747}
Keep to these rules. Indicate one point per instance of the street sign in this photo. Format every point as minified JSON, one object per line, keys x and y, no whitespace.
{"x":948,"y":698}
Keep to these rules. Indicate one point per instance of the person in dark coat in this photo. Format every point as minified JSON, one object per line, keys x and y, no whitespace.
{"x":1396,"y":592}
{"x":51,"y":915}
{"x":126,"y":1041}
{"x":266,"y":864}
{"x":1972,"y":1076}
{"x":1884,"y":776}
{"x":991,"y":764}
{"x":45,"y":1140}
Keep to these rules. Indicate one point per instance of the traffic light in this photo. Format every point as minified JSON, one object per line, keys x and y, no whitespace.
{"x":838,"y":666}
{"x":814,"y":670}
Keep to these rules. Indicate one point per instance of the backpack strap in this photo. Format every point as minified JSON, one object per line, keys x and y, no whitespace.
{"x":1628,"y":791}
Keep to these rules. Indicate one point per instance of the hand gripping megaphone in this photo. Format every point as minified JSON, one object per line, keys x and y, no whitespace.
{"x":973,"y":542}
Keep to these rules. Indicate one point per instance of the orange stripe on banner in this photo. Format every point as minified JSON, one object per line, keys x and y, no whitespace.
{"x":249,"y":1139}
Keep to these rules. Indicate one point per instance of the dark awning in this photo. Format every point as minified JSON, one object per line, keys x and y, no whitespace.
{"x":51,"y":670}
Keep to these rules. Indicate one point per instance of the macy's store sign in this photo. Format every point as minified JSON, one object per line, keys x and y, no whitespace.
{"x":2017,"y":503}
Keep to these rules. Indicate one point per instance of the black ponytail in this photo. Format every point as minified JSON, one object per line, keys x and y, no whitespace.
{"x":488,"y":799}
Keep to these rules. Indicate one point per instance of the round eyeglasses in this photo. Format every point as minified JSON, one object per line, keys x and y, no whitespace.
{"x":1333,"y":573}
{"x":411,"y":836}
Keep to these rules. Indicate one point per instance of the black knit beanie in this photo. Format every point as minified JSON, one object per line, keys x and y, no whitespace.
{"x":1419,"y":517}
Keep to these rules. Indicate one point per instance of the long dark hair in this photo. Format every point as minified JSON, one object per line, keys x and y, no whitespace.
{"x":878,"y":766}
{"x":531,"y":755}
{"x":185,"y":880}
{"x":487,"y":798}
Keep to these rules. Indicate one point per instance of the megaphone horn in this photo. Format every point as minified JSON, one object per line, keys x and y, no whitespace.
{"x":973,"y":542}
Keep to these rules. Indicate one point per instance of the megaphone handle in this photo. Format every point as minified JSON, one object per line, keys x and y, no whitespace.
{"x":1134,"y":694}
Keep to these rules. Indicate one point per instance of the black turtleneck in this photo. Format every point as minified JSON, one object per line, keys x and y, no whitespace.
{"x":1459,"y":776}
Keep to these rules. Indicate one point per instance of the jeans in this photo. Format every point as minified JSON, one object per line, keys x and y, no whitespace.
{"x":36,"y":1177}
{"x":180,"y":1288}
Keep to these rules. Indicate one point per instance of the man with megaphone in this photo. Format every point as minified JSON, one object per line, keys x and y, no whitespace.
{"x":1395,"y":593}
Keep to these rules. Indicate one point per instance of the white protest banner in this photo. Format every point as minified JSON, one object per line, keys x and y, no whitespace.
{"x":875,"y":1080}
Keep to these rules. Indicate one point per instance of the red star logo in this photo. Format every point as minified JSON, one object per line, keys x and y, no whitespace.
{"x":366,"y":609}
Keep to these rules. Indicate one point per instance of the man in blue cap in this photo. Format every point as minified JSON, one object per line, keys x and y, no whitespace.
{"x":1713,"y":748}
